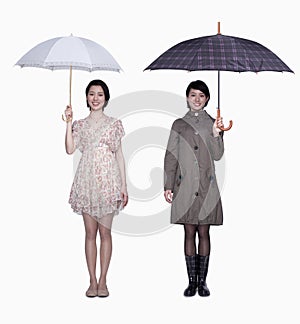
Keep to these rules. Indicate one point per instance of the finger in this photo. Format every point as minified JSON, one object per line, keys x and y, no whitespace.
{"x":169,"y":198}
{"x":166,"y":194}
{"x":125,"y":199}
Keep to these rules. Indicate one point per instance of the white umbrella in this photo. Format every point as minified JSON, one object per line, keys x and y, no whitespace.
{"x":70,"y":52}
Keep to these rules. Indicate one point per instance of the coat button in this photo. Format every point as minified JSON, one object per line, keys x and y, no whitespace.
{"x":195,"y":147}
{"x":196,"y":194}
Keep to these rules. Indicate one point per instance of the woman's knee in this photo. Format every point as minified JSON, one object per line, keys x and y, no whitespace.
{"x":91,"y":227}
{"x":105,"y":233}
{"x":203,"y":231}
{"x":190,"y":230}
{"x":91,"y":233}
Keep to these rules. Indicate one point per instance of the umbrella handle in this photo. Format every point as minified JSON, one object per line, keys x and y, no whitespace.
{"x":230,"y":122}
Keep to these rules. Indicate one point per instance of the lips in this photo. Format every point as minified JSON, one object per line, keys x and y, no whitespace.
{"x":96,"y":104}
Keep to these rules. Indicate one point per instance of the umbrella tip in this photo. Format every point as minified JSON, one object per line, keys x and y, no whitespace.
{"x":219,"y":28}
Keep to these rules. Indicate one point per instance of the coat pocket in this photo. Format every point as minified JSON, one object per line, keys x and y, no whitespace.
{"x":178,"y":180}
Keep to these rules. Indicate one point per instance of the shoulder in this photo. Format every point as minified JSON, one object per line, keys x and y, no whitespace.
{"x":115,"y":126}
{"x":111,"y":120}
{"x":209,"y":116}
{"x":79,"y":123}
{"x":114,"y":122}
{"x":179,"y":122}
{"x":179,"y":125}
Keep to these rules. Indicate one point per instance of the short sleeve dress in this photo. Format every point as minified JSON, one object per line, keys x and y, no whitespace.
{"x":96,"y":189}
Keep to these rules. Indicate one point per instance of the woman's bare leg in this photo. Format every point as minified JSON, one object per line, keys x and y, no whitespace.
{"x":105,"y":248}
{"x":91,"y":227}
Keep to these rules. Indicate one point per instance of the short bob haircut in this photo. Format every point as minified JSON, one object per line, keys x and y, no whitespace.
{"x":103,"y":85}
{"x":199,"y":85}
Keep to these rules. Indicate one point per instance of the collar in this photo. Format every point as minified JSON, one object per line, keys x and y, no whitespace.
{"x":196,"y":114}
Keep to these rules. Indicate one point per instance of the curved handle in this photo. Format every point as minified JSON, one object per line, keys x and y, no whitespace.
{"x":230,"y":122}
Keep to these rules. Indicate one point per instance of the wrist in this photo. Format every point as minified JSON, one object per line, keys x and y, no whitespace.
{"x":67,"y":119}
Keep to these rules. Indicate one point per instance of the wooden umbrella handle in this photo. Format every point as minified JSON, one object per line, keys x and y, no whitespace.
{"x":230,"y":122}
{"x":70,"y":93}
{"x":70,"y":86}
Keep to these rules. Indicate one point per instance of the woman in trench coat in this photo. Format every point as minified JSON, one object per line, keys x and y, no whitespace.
{"x":190,"y":182}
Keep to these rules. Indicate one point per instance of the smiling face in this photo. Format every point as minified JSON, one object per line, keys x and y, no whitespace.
{"x":196,"y":100}
{"x":96,"y":98}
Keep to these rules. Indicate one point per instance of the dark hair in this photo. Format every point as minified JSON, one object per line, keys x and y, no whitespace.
{"x":103,"y":85}
{"x":198,"y":85}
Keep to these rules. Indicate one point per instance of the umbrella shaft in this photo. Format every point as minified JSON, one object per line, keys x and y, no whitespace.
{"x":218,"y":89}
{"x":70,"y":86}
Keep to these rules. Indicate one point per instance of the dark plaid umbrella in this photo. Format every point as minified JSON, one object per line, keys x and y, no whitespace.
{"x":221,"y":53}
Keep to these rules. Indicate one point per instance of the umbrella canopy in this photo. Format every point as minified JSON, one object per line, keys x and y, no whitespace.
{"x":70,"y":52}
{"x":221,"y":53}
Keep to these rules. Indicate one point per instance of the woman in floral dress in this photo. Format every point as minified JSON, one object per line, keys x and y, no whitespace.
{"x":99,"y":189}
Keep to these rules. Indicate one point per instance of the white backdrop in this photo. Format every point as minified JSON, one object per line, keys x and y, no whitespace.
{"x":254,"y":271}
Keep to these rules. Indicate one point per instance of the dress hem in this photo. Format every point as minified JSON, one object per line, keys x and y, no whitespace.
{"x":112,"y":212}
{"x":198,"y":223}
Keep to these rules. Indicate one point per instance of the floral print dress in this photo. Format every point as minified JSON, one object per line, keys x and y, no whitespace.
{"x":96,"y":189}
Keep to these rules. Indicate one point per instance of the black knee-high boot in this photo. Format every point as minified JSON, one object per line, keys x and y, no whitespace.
{"x":192,"y":266}
{"x":203,"y":261}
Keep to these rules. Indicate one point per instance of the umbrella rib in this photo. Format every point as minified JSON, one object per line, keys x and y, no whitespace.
{"x":88,"y":53}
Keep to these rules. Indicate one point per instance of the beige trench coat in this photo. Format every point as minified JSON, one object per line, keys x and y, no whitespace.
{"x":190,"y":170}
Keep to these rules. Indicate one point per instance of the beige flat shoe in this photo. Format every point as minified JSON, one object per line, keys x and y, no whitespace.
{"x":103,"y":292}
{"x":91,"y":293}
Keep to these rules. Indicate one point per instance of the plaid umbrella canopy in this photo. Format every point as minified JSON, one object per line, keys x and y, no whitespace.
{"x":221,"y":53}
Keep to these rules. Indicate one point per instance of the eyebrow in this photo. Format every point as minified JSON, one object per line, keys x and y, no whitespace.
{"x":92,"y":91}
{"x":195,"y":92}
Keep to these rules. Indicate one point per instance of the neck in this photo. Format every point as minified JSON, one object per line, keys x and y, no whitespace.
{"x":97,"y":114}
{"x":195,"y":111}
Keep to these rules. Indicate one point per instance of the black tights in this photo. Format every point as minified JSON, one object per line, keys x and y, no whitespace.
{"x":190,"y":231}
